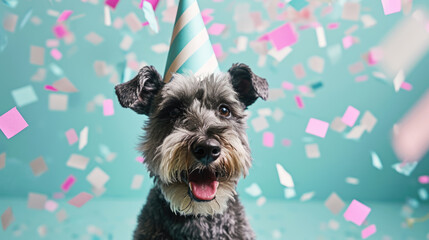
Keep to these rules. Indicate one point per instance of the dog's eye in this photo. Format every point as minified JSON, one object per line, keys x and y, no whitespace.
{"x":174,"y":112}
{"x":224,"y":111}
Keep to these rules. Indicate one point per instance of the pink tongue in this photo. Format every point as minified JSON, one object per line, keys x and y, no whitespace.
{"x":204,"y":190}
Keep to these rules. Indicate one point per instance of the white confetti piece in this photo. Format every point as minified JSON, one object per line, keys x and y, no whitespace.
{"x":352,"y":180}
{"x":376,"y":162}
{"x":9,"y":22}
{"x":83,"y":138}
{"x":126,"y":43}
{"x":368,"y":121}
{"x":94,"y":38}
{"x":321,"y":38}
{"x":261,"y":201}
{"x":278,"y":114}
{"x":289,"y":193}
{"x":160,"y":48}
{"x":39,"y":76}
{"x":107,"y":17}
{"x":97,"y":177}
{"x":36,"y":201}
{"x":285,"y":178}
{"x":405,"y":168}
{"x":279,"y":55}
{"x":253,"y":190}
{"x":275,"y":94}
{"x":78,"y":161}
{"x":423,"y":194}
{"x":100,"y":68}
{"x":338,"y":125}
{"x":398,"y":80}
{"x":368,"y":21}
{"x":58,"y":102}
{"x":133,"y":22}
{"x":37,"y":55}
{"x":259,"y":124}
{"x":38,"y":166}
{"x":312,"y":150}
{"x":265,"y":112}
{"x":351,"y":11}
{"x":356,"y":132}
{"x":137,"y":181}
{"x":334,"y":203}
{"x":307,"y":196}
{"x":64,"y":85}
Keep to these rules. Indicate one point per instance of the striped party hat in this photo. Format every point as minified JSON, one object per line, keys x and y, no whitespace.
{"x":190,"y":47}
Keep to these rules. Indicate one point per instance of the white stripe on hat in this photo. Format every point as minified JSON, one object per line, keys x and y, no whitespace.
{"x":185,"y":18}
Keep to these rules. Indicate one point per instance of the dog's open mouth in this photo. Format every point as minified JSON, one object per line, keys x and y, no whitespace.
{"x":203,"y":184}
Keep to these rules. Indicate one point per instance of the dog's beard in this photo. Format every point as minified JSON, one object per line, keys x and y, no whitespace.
{"x":176,"y":162}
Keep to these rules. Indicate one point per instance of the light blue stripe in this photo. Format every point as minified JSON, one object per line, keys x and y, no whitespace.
{"x":183,"y":5}
{"x":198,"y":59}
{"x":184,"y":37}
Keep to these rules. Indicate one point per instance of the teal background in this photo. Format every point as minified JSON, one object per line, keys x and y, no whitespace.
{"x":340,"y":158}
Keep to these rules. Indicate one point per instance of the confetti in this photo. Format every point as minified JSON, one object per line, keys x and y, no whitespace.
{"x":285,"y":178}
{"x":422,"y":179}
{"x":356,"y":132}
{"x":423,"y":194}
{"x":312,"y":150}
{"x":253,"y":190}
{"x":9,"y":22}
{"x":36,"y":201}
{"x":282,"y":37}
{"x":83,"y":138}
{"x":268,"y":139}
{"x":58,"y":102}
{"x":368,"y":231}
{"x":133,"y":22}
{"x":289,"y":193}
{"x":398,"y":80}
{"x":334,"y":203}
{"x":7,"y":218}
{"x":279,"y":55}
{"x":11,"y":123}
{"x":60,"y":31}
{"x":37,"y":55}
{"x":2,"y":160}
{"x":405,"y":168}
{"x":338,"y":125}
{"x":376,"y":162}
{"x":391,"y":6}
{"x":94,"y":38}
{"x":259,"y":124}
{"x":126,"y":43}
{"x":160,"y":48}
{"x":56,"y":54}
{"x":298,"y":4}
{"x":347,"y":42}
{"x":306,"y":196}
{"x":108,"y":107}
{"x":317,"y":127}
{"x":351,"y":11}
{"x":316,"y":64}
{"x":278,"y":114}
{"x":357,"y":212}
{"x":24,"y":96}
{"x":68,"y":183}
{"x":64,"y":85}
{"x":61,"y":215}
{"x":299,"y":71}
{"x":38,"y":166}
{"x":368,"y":121}
{"x":64,"y":15}
{"x":368,"y":21}
{"x":51,"y":206}
{"x":111,"y":3}
{"x":352,"y":180}
{"x":407,"y":86}
{"x":71,"y":136}
{"x":321,"y":38}
{"x":261,"y":201}
{"x":140,"y":159}
{"x":137,"y":182}
{"x":97,"y":177}
{"x":78,"y":161}
{"x":350,"y":116}
{"x":80,"y":199}
{"x":42,"y":230}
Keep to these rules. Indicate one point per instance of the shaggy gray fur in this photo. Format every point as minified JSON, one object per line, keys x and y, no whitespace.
{"x":182,"y":113}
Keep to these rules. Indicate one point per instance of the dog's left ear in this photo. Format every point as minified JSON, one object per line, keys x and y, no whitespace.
{"x":248,"y":85}
{"x":139,"y":92}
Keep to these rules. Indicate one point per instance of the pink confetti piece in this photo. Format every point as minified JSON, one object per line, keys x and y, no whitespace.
{"x":424,"y":179}
{"x":217,"y":48}
{"x":283,"y":36}
{"x":12,"y":122}
{"x":288,"y":86}
{"x":374,"y":56}
{"x":108,"y":109}
{"x":51,"y":206}
{"x":406,"y":86}
{"x":111,"y":3}
{"x":286,"y":142}
{"x":140,"y":159}
{"x":154,"y":3}
{"x":50,"y":88}
{"x":80,"y":199}
{"x":58,"y":195}
{"x":71,"y":136}
{"x":350,"y":116}
{"x":68,"y":183}
{"x":333,"y":25}
{"x":64,"y":15}
{"x":299,"y":102}
{"x":206,"y":14}
{"x":56,"y":54}
{"x":216,"y":29}
{"x":357,"y":212}
{"x":347,"y":42}
{"x":299,"y":71}
{"x":317,"y":127}
{"x":391,"y":6}
{"x":304,"y":89}
{"x":60,"y":31}
{"x":268,"y":139}
{"x":52,"y":43}
{"x":7,"y":218}
{"x":368,"y":231}
{"x":361,"y":78}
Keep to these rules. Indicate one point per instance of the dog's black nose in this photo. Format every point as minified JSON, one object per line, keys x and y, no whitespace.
{"x":206,"y":151}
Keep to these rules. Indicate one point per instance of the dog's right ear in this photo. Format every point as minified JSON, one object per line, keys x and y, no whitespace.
{"x":139,"y":92}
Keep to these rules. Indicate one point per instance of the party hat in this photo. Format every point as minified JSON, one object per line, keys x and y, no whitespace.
{"x":190,"y":46}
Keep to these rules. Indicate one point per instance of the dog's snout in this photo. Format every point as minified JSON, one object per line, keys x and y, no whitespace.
{"x":206,"y":151}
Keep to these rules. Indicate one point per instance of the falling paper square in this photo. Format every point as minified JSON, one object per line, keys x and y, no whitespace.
{"x":368,"y":121}
{"x":253,"y":190}
{"x":376,"y":162}
{"x":126,"y":43}
{"x":289,"y":193}
{"x":357,"y":212}
{"x":94,"y":38}
{"x":56,"y":54}
{"x":61,"y":215}
{"x":36,"y":201}
{"x":137,"y":181}
{"x":279,"y":55}
{"x":83,"y":138}
{"x":283,"y":36}
{"x":78,"y":161}
{"x":312,"y":150}
{"x":277,"y":114}
{"x":38,"y":166}
{"x":24,"y":95}
{"x":299,"y":71}
{"x":37,"y":55}
{"x":64,"y":85}
{"x":422,"y":179}
{"x":285,"y":178}
{"x":368,"y":21}
{"x":356,"y":132}
{"x":64,"y":15}
{"x":268,"y":139}
{"x":259,"y":124}
{"x":338,"y":125}
{"x":51,"y":206}
{"x":316,"y":64}
{"x":391,"y":6}
{"x":58,"y":102}
{"x":9,"y":22}
{"x":350,"y":116}
{"x":2,"y":160}
{"x":80,"y":199}
{"x":405,"y":168}
{"x":317,"y":127}
{"x":100,"y":68}
{"x":368,"y":231}
{"x":334,"y":203}
{"x":68,"y":183}
{"x":42,"y":230}
{"x":108,"y":107}
{"x":423,"y":194}
{"x":97,"y":177}
{"x":111,"y":3}
{"x":11,"y":123}
{"x":133,"y":22}
{"x":321,"y":38}
{"x":351,"y":11}
{"x":216,"y":29}
{"x":39,"y":75}
{"x":7,"y":218}
{"x":306,"y":196}
{"x":347,"y":42}
{"x":352,"y":180}
{"x":71,"y":136}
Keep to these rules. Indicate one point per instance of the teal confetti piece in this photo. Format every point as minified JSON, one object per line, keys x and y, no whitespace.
{"x":376,"y":162}
{"x":24,"y":96}
{"x":405,"y":169}
{"x":149,"y":14}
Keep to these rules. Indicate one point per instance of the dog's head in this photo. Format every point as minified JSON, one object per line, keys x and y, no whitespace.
{"x":195,"y":143}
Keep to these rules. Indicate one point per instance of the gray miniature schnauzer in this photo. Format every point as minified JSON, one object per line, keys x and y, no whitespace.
{"x":195,"y":146}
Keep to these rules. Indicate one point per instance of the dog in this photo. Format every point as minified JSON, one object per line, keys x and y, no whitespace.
{"x":196,"y":149}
